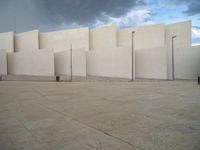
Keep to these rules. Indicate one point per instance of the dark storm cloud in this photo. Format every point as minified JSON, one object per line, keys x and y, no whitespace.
{"x":84,"y":11}
{"x":19,"y":12}
{"x":193,"y":8}
{"x":50,"y":15}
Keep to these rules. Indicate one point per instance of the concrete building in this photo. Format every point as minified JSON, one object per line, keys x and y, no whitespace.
{"x":105,"y":52}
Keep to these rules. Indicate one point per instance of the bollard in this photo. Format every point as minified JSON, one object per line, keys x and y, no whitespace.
{"x":199,"y":80}
{"x":57,"y":78}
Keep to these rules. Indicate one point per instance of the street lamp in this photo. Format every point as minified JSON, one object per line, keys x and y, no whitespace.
{"x":71,"y":62}
{"x":133,"y":58}
{"x":15,"y":23}
{"x":173,"y":37}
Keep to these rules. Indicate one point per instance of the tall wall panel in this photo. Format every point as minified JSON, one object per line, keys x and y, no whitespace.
{"x":103,"y":38}
{"x":27,"y":41}
{"x":3,"y":62}
{"x":151,"y":63}
{"x":187,"y":62}
{"x":144,"y":37}
{"x":62,"y":40}
{"x":114,"y":62}
{"x":34,"y":63}
{"x":182,"y":31}
{"x":63,"y":62}
{"x":7,"y":41}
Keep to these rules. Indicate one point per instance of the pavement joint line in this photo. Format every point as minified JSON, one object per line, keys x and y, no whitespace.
{"x":108,"y":134}
{"x":39,"y":105}
{"x":105,"y":133}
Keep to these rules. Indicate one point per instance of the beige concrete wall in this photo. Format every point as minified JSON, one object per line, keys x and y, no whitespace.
{"x":115,"y":62}
{"x":63,"y":63}
{"x":3,"y":62}
{"x":187,"y":62}
{"x":183,"y":32}
{"x":144,"y":37}
{"x":27,"y":41}
{"x":62,"y":40}
{"x":103,"y":38}
{"x":151,"y":63}
{"x":35,"y":63}
{"x":7,"y":42}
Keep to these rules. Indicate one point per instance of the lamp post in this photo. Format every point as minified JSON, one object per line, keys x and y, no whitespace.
{"x":15,"y":23}
{"x":133,"y":58}
{"x":71,"y":62}
{"x":173,"y":37}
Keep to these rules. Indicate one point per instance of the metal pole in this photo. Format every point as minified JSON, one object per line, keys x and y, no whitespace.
{"x":133,"y":58}
{"x":71,"y":63}
{"x":15,"y":24}
{"x":173,"y":57}
{"x":15,"y":28}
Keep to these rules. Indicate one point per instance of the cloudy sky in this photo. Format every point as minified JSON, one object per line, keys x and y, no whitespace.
{"x":49,"y":15}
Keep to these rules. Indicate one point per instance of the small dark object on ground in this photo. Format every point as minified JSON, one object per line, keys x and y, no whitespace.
{"x":199,"y":80}
{"x":57,"y":78}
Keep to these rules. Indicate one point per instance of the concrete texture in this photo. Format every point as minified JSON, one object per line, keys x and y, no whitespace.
{"x":7,"y":41}
{"x":187,"y":62}
{"x":62,"y":40}
{"x":145,"y":37}
{"x":63,"y":66}
{"x":151,"y":63}
{"x":103,"y":38}
{"x":35,"y":63}
{"x":114,"y":62}
{"x":184,"y":39}
{"x":100,"y":116}
{"x":27,"y":41}
{"x":3,"y":62}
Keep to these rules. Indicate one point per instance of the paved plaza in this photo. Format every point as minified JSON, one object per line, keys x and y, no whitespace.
{"x":141,"y":115}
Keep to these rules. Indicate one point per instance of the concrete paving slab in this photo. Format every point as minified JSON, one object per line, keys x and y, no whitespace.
{"x":148,"y":115}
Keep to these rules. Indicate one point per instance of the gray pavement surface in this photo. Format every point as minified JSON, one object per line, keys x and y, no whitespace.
{"x":146,"y":115}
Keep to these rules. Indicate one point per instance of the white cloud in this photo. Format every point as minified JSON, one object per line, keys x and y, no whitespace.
{"x":195,"y":36}
{"x":195,"y":33}
{"x":132,"y":18}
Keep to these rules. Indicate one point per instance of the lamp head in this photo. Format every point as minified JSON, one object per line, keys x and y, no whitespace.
{"x":174,"y":36}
